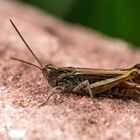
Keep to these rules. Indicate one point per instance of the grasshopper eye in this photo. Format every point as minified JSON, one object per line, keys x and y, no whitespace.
{"x":49,"y":69}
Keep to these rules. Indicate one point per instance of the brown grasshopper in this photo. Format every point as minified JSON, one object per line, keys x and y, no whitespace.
{"x":121,"y":82}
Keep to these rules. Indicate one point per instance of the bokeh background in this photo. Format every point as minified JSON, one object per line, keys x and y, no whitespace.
{"x":116,"y":18}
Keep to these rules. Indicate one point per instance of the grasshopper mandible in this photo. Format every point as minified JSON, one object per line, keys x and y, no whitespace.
{"x":88,"y":80}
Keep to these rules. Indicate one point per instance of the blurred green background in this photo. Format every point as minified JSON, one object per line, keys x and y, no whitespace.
{"x":116,"y":18}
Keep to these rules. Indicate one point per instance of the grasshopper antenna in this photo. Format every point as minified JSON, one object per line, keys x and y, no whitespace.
{"x":20,"y":60}
{"x":26,"y":46}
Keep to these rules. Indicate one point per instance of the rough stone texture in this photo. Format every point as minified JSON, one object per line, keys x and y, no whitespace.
{"x":67,"y":116}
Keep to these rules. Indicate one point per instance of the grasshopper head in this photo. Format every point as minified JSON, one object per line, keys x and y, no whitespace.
{"x":49,"y":71}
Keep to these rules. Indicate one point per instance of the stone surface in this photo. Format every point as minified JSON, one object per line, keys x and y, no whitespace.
{"x":67,"y":116}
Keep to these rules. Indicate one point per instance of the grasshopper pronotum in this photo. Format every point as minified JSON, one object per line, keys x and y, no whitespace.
{"x":88,"y":80}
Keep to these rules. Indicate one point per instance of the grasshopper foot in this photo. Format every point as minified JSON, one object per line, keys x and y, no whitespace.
{"x":85,"y":85}
{"x":48,"y":97}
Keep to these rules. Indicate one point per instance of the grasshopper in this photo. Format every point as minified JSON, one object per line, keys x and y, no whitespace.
{"x":88,"y":80}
